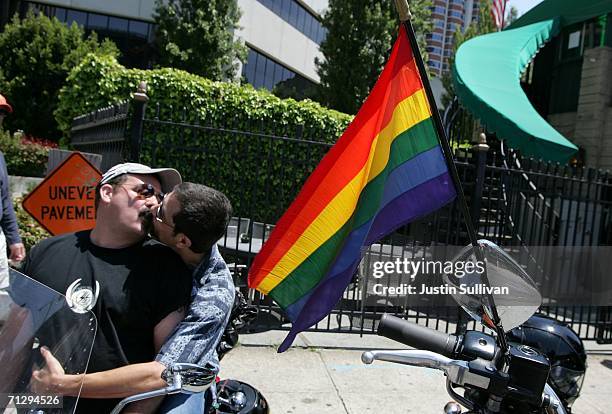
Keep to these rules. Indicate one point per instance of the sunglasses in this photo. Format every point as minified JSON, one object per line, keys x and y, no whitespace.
{"x":160,"y":216}
{"x":145,"y":191}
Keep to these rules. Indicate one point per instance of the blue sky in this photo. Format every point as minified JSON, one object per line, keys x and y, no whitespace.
{"x":522,"y":5}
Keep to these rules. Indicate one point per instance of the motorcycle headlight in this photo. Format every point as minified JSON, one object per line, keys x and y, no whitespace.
{"x":567,"y":382}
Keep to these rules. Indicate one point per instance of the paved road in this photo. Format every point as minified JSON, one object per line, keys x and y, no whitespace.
{"x":307,"y":380}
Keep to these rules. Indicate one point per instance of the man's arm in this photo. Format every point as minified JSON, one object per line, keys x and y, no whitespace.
{"x":166,"y":326}
{"x":9,"y":220}
{"x":115,"y":383}
{"x":196,"y":338}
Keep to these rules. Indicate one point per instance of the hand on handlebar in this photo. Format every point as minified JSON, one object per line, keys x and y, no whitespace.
{"x":50,"y":378}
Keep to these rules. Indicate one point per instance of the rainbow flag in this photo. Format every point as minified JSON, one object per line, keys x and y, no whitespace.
{"x":386,"y":170}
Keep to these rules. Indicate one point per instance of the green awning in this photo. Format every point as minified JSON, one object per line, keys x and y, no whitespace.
{"x":567,"y":11}
{"x":487,"y":74}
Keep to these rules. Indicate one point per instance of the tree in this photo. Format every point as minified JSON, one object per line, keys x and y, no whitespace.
{"x":483,"y":25}
{"x":198,"y":36}
{"x":36,"y":55}
{"x":360,"y":34}
{"x":511,"y":17}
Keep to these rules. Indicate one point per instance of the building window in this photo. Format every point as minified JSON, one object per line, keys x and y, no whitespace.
{"x":434,"y":64}
{"x":131,"y":36}
{"x":435,"y":36}
{"x":434,"y":49}
{"x":263,"y":72}
{"x":299,"y":17}
{"x":457,"y":14}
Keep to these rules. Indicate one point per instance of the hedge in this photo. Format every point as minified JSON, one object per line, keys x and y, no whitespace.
{"x":261,"y":176}
{"x":100,"y":81}
{"x":23,"y":158}
{"x":30,"y":231}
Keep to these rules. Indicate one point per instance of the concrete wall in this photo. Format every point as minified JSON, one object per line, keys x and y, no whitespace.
{"x":605,"y":158}
{"x":565,"y":123}
{"x":20,"y":186}
{"x":594,"y":114}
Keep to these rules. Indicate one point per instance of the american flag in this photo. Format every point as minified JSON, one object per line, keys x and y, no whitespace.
{"x":498,"y":11}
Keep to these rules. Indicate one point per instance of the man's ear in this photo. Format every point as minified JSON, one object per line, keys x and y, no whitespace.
{"x":182,"y":241}
{"x":106,"y":193}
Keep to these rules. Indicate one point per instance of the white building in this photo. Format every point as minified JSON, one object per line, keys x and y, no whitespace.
{"x":283,"y":36}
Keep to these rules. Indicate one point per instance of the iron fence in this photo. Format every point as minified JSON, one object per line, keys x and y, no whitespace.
{"x":102,"y":132}
{"x":262,"y":165}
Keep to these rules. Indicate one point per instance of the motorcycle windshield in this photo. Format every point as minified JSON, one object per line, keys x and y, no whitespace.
{"x":510,"y":289}
{"x":41,"y":334}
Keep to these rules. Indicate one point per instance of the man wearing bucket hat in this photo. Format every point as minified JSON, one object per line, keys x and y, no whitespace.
{"x":9,"y":232}
{"x":136,"y":289}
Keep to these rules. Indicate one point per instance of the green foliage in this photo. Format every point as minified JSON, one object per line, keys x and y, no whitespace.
{"x":260,"y":174}
{"x":36,"y":54}
{"x":511,"y":16}
{"x":359,"y":38}
{"x":28,"y":160}
{"x":30,"y":231}
{"x":198,"y":36}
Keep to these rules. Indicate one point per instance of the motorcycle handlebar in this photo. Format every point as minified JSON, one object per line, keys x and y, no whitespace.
{"x":417,"y":336}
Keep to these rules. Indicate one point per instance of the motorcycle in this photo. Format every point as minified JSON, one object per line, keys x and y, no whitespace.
{"x":499,"y":369}
{"x":33,"y":315}
{"x":234,"y":396}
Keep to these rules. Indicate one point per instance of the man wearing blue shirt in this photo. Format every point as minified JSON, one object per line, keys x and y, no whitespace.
{"x":9,"y":234}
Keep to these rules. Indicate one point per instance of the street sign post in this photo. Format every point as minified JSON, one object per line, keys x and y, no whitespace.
{"x":64,"y":201}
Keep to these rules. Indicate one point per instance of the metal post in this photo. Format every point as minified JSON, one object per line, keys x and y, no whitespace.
{"x":479,"y":150}
{"x":140,"y":103}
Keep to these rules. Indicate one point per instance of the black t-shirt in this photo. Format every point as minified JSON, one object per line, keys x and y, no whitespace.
{"x":129,"y":291}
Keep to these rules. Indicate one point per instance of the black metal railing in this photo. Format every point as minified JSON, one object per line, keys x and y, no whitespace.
{"x":262,"y":165}
{"x":102,"y":132}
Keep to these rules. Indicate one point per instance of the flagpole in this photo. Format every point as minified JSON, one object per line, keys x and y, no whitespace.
{"x":405,"y":18}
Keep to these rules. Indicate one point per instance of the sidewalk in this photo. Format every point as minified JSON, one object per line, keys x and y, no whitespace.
{"x":323,"y":373}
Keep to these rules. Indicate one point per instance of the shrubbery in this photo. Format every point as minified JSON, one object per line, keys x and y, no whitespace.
{"x":24,"y":155}
{"x":30,"y":231}
{"x":100,"y":81}
{"x":36,"y":55}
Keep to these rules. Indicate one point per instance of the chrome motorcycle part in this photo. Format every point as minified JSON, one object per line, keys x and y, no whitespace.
{"x":452,"y":407}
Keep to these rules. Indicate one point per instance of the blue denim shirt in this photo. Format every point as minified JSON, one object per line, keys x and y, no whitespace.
{"x":195,"y":339}
{"x":8,"y":221}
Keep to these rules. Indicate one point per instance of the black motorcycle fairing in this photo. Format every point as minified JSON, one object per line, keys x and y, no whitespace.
{"x":563,"y":348}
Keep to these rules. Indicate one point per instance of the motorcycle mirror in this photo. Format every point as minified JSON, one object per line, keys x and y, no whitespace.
{"x":190,"y":378}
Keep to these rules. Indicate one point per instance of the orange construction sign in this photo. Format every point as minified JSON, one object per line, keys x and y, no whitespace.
{"x":64,"y":201}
